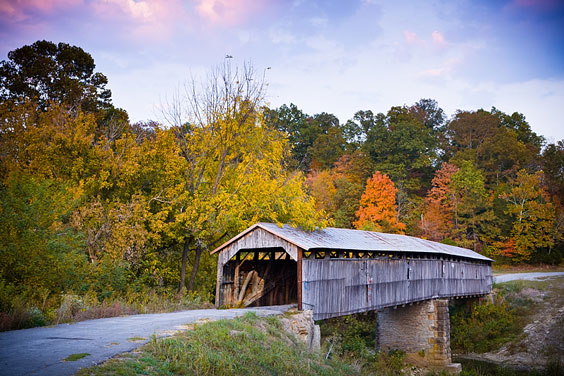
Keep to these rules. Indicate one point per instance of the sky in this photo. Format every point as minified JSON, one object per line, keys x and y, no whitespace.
{"x":324,"y":56}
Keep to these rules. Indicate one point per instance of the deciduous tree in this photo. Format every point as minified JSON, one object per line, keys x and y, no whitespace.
{"x":378,"y":209}
{"x":61,"y":73}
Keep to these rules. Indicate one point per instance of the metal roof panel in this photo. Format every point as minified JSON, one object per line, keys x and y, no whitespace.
{"x":358,"y":240}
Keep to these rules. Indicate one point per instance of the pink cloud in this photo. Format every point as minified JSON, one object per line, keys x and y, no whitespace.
{"x":20,"y":10}
{"x":410,"y":38}
{"x":228,"y":12}
{"x":145,"y":18}
{"x":438,"y":40}
{"x":434,"y":72}
{"x":446,"y":69}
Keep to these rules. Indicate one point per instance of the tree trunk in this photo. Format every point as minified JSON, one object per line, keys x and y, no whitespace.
{"x":199,"y":250}
{"x":185,"y":251}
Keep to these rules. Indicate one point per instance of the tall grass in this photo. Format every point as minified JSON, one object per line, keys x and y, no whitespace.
{"x":249,"y":345}
{"x":71,"y":307}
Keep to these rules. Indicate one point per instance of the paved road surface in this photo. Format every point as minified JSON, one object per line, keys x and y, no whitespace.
{"x":40,"y":351}
{"x":527,"y":276}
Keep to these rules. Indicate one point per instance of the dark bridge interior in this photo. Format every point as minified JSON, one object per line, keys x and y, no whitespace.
{"x":260,"y":277}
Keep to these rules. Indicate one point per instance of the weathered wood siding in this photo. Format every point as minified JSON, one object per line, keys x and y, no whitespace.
{"x":336,"y":287}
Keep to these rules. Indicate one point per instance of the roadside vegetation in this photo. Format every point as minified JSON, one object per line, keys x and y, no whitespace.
{"x":523,"y":328}
{"x":249,"y":345}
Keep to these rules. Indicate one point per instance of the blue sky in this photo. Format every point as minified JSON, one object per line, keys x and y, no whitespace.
{"x":332,"y":56}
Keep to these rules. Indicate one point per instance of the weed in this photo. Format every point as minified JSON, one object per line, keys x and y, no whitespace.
{"x":136,"y":339}
{"x":75,"y":357}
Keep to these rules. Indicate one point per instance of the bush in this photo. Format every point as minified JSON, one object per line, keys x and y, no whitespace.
{"x":482,"y":326}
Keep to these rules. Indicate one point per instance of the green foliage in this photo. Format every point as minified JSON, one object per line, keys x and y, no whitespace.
{"x":45,"y":71}
{"x":483,"y":326}
{"x":75,"y":357}
{"x":39,"y":253}
{"x":352,"y":339}
{"x":355,"y":333}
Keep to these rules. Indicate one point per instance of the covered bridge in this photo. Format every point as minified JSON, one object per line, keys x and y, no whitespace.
{"x":337,"y":272}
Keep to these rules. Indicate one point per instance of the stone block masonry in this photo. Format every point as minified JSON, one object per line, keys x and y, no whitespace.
{"x":421,"y":330}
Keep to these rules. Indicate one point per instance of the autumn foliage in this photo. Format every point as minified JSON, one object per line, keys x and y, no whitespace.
{"x":378,"y":208}
{"x":97,"y":207}
{"x":437,"y":220}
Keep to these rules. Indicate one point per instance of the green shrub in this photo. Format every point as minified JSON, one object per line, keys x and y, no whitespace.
{"x":481,"y":326}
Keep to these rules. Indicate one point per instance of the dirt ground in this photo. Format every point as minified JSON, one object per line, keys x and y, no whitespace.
{"x":542,"y":340}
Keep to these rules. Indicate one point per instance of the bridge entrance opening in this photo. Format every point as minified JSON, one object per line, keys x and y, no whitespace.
{"x":259,"y":277}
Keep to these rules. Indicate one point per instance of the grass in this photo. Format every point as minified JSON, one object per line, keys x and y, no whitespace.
{"x":75,"y":357}
{"x":248,"y":345}
{"x":72,"y":308}
{"x":136,"y":339}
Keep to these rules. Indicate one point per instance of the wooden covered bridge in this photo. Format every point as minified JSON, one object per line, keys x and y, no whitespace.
{"x":337,"y":272}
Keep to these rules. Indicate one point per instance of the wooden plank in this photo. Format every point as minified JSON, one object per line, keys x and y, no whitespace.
{"x":300,"y":273}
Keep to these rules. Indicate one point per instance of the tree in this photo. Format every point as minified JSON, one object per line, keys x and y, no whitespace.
{"x":330,"y":143}
{"x":521,"y":127}
{"x":428,"y":112}
{"x":40,"y":253}
{"x":437,"y":220}
{"x":378,"y":209}
{"x":471,"y":204}
{"x":502,"y":155}
{"x":234,"y":174}
{"x":61,"y":73}
{"x":300,"y":129}
{"x":469,"y":129}
{"x":552,"y":161}
{"x":534,"y":217}
{"x":404,"y":148}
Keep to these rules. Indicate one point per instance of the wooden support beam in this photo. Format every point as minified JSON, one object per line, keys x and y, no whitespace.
{"x":300,"y":306}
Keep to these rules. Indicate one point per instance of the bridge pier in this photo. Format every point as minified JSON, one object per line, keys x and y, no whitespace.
{"x":421,"y":330}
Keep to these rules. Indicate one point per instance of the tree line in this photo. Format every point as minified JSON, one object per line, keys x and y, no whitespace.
{"x":480,"y":179}
{"x":93,"y":203}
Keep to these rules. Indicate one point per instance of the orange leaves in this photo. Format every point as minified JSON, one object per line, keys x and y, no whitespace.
{"x":437,"y":219}
{"x":378,"y":208}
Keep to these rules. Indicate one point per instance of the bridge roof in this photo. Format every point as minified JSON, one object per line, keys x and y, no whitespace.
{"x":357,"y":240}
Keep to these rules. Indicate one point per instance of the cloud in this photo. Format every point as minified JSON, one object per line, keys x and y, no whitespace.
{"x":281,"y":36}
{"x":410,"y":38}
{"x":439,"y":41}
{"x":147,"y":18}
{"x":228,"y":12}
{"x":17,"y":11}
{"x":443,"y":70}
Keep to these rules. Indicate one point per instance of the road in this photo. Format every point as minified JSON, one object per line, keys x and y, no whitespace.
{"x":40,"y":351}
{"x":526,"y":276}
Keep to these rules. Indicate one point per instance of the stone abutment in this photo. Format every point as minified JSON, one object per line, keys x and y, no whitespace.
{"x":421,"y":330}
